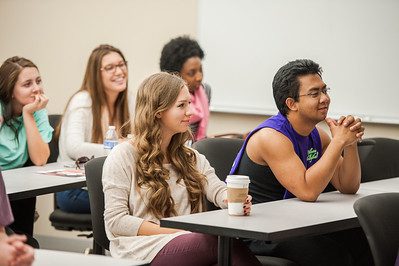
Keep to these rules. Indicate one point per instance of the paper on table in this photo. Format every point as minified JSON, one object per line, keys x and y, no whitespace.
{"x":63,"y":172}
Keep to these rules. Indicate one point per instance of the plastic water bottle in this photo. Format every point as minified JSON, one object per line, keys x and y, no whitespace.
{"x":111,"y":139}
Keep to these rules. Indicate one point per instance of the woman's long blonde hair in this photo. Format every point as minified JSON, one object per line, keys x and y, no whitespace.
{"x":92,"y":83}
{"x":156,"y":94}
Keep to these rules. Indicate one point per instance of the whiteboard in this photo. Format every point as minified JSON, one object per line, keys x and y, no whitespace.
{"x":356,"y":42}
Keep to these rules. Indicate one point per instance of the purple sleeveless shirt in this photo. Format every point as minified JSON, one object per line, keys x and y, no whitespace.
{"x":308,"y":148}
{"x":6,"y":217}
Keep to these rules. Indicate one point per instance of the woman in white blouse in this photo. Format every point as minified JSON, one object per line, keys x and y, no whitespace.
{"x":101,"y":101}
{"x":155,"y":175}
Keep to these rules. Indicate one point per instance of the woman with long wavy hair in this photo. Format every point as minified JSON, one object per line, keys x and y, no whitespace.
{"x":102,"y":100}
{"x":155,"y":176}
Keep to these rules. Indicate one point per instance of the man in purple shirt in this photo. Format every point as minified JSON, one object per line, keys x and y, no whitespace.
{"x":13,"y":250}
{"x":289,"y":155}
{"x":303,"y":101}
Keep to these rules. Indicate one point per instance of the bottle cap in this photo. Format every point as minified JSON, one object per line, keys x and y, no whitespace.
{"x":111,"y":127}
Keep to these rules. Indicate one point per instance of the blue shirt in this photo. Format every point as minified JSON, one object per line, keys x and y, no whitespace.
{"x":13,"y":151}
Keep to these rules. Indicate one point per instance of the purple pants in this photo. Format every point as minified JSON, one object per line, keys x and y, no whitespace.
{"x":196,"y":249}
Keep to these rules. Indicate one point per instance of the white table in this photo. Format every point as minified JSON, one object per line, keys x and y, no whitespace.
{"x":385,"y":185}
{"x":279,"y":220}
{"x":61,"y":258}
{"x":25,"y":182}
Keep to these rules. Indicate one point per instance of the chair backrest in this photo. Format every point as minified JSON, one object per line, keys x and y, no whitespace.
{"x":379,"y":157}
{"x":54,"y":120}
{"x":94,"y":172}
{"x":381,"y":161}
{"x":364,"y":149}
{"x":220,"y":153}
{"x":379,"y":217}
{"x":62,"y":220}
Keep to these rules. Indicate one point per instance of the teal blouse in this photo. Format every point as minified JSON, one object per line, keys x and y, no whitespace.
{"x":13,"y":151}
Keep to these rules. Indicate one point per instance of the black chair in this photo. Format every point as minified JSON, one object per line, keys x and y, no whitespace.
{"x":364,"y":149}
{"x":221,"y":153}
{"x":59,"y":219}
{"x":94,"y":172}
{"x":379,"y":217}
{"x":54,"y":120}
{"x":67,"y":221}
{"x":381,"y":160}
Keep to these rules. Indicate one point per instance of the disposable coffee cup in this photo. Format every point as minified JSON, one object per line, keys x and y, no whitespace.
{"x":237,"y":191}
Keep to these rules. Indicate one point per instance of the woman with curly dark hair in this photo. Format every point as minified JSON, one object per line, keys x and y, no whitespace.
{"x":183,"y":56}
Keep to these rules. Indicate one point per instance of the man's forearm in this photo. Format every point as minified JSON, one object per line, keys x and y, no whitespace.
{"x":349,"y":172}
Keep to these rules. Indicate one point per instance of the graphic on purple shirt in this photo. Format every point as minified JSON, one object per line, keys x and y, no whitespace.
{"x":308,"y":148}
{"x":6,"y":217}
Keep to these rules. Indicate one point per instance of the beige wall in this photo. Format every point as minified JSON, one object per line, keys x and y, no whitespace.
{"x":59,"y":35}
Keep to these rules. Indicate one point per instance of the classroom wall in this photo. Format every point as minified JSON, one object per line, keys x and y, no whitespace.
{"x":358,"y":53}
{"x":227,"y":123}
{"x":59,"y":35}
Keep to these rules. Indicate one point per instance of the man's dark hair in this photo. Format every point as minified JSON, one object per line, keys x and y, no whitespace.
{"x":286,"y":83}
{"x":177,"y":51}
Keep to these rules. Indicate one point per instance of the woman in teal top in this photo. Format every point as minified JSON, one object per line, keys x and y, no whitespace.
{"x":24,"y":128}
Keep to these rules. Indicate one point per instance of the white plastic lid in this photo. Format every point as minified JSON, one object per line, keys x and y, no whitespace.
{"x":111,"y":127}
{"x":242,"y":179}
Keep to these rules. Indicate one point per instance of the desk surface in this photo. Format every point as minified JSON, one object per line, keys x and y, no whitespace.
{"x":279,"y":220}
{"x":25,"y":182}
{"x":60,"y":258}
{"x":385,"y":185}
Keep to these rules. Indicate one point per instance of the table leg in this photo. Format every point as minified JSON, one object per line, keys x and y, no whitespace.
{"x":224,"y":250}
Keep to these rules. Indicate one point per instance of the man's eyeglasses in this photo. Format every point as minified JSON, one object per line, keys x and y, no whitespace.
{"x":316,"y":94}
{"x":111,"y":68}
{"x":82,"y":160}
